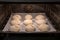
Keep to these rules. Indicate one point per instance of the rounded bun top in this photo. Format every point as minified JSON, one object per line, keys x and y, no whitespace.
{"x":39,"y":17}
{"x":16,"y":17}
{"x":28,"y":16}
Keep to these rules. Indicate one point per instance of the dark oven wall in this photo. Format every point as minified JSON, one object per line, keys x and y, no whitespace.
{"x":4,"y":15}
{"x":53,"y":12}
{"x":50,"y":9}
{"x":27,"y":8}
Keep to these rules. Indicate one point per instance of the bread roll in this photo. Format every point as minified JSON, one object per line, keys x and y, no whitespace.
{"x":15,"y":22}
{"x":40,"y":21}
{"x":28,"y":17}
{"x":15,"y":17}
{"x":14,"y":28}
{"x":39,"y":17}
{"x":43,"y":27}
{"x":27,"y":22}
{"x":29,"y":28}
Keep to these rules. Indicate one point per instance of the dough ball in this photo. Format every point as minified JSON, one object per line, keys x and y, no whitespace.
{"x":28,"y":17}
{"x":15,"y":17}
{"x":39,"y":17}
{"x":14,"y":28}
{"x":40,"y":21}
{"x":27,"y":22}
{"x":15,"y":22}
{"x":43,"y":27}
{"x":29,"y":28}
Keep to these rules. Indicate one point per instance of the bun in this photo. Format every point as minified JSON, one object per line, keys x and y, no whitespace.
{"x":28,"y":17}
{"x":43,"y":27}
{"x":40,"y":21}
{"x":16,"y":17}
{"x":15,"y":22}
{"x":14,"y":28}
{"x":26,"y":22}
{"x":39,"y":17}
{"x":29,"y":28}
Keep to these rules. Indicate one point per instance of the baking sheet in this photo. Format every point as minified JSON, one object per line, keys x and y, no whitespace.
{"x":6,"y":28}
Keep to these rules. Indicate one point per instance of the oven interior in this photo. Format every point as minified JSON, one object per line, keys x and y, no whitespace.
{"x":52,"y":12}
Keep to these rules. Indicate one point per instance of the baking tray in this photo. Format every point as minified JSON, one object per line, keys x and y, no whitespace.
{"x":52,"y":29}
